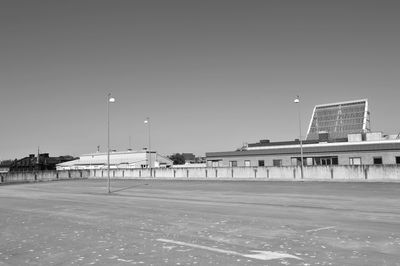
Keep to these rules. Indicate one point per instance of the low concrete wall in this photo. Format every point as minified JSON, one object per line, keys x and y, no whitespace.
{"x":35,"y":176}
{"x":318,"y":173}
{"x":376,"y":173}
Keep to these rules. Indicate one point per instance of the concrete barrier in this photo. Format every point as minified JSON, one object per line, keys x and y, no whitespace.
{"x":284,"y":173}
{"x":36,"y":176}
{"x":373,"y":173}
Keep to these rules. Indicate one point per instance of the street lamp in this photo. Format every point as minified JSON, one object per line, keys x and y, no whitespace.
{"x":297,"y":101}
{"x":147,"y":122}
{"x":109,"y":100}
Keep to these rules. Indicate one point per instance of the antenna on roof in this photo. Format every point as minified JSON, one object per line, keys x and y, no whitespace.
{"x":98,"y":148}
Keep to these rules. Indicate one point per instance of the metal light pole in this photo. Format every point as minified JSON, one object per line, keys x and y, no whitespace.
{"x":297,"y":100}
{"x":109,"y":100}
{"x":147,"y":121}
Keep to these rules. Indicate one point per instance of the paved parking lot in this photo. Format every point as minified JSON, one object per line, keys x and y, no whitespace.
{"x":151,"y":222}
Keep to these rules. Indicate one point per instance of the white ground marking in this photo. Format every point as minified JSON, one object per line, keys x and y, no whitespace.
{"x":260,"y":255}
{"x":320,"y":229}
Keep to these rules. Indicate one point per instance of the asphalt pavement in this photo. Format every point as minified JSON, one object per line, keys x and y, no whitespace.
{"x":149,"y":222}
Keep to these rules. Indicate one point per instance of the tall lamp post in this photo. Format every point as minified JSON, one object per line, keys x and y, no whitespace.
{"x":297,"y":101}
{"x":109,"y":100}
{"x":147,"y":122}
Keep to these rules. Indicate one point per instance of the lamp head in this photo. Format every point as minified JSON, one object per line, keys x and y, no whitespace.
{"x":111,"y":99}
{"x":297,"y":100}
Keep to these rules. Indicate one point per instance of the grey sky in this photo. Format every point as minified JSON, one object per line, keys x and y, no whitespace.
{"x":210,"y":74}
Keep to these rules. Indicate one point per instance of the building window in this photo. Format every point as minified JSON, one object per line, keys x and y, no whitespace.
{"x":247,"y":163}
{"x":261,"y":163}
{"x":277,"y":162}
{"x":377,"y":160}
{"x":232,"y":163}
{"x":355,"y":161}
{"x":398,"y":160}
{"x":214,"y":163}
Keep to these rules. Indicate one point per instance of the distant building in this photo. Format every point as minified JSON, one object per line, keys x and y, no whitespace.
{"x":118,"y":160}
{"x":5,"y":166}
{"x":34,"y":163}
{"x":338,"y":134}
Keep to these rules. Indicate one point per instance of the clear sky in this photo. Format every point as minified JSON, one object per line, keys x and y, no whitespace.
{"x":210,"y":74}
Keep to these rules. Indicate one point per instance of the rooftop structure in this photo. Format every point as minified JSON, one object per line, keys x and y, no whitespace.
{"x":339,"y":119}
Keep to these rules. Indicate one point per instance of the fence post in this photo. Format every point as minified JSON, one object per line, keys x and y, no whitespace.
{"x":294,"y":173}
{"x":206,"y":173}
{"x":216,"y":173}
{"x":267,"y":173}
{"x":255,"y":172}
{"x":366,"y":172}
{"x":331,"y":173}
{"x":232,"y":172}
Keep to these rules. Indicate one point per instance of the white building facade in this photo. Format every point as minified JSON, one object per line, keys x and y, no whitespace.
{"x":118,"y":160}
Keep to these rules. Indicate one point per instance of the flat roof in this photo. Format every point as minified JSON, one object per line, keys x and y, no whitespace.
{"x":340,"y":147}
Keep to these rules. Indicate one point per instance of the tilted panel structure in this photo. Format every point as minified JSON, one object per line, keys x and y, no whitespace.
{"x":339,"y":119}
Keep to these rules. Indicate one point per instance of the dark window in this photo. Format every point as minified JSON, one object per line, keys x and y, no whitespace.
{"x":377,"y":160}
{"x":277,"y":162}
{"x":233,"y":163}
{"x":398,"y":160}
{"x":261,"y":163}
{"x":335,"y":161}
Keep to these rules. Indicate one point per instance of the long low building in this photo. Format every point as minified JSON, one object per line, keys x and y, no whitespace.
{"x":118,"y":160}
{"x":264,"y":153}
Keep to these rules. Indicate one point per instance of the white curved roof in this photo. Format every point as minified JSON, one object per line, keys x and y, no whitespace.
{"x":117,"y":158}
